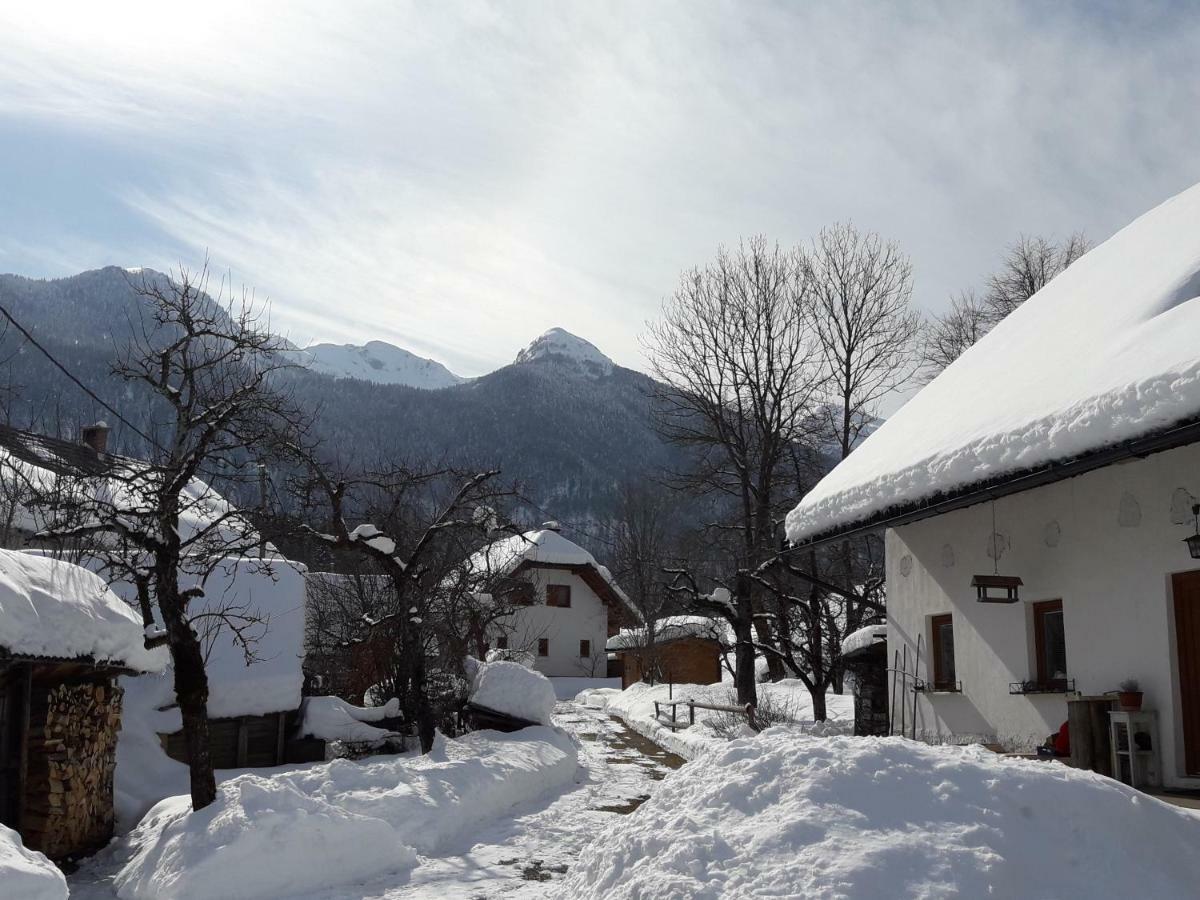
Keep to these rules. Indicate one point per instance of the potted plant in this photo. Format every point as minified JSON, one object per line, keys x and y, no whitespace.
{"x":1129,"y":695}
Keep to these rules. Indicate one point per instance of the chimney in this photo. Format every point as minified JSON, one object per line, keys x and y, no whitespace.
{"x":96,"y":436}
{"x":551,"y":526}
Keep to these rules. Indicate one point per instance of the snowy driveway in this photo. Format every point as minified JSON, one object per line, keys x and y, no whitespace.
{"x":520,"y":856}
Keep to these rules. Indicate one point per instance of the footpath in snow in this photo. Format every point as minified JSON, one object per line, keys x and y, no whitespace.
{"x":484,"y":816}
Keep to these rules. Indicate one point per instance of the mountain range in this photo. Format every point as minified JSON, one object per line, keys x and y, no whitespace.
{"x":562,"y":421}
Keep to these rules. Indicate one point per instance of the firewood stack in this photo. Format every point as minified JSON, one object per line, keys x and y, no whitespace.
{"x":72,"y":757}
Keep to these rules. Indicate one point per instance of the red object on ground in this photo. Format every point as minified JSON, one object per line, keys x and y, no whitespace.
{"x":1062,"y":741}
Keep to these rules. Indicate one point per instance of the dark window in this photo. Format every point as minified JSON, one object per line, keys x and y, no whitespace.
{"x":558,"y":595}
{"x":943,"y":653}
{"x":521,"y":594}
{"x":543,"y":646}
{"x":585,"y":648}
{"x":502,"y":643}
{"x":1050,"y":643}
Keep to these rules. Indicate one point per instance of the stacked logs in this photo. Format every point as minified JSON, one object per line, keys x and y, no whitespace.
{"x":72,"y":756}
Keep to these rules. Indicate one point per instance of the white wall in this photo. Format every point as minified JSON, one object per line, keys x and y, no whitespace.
{"x":586,"y":619}
{"x":1113,"y":579}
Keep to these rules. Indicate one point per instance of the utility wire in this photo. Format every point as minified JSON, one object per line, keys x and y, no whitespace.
{"x":83,"y":387}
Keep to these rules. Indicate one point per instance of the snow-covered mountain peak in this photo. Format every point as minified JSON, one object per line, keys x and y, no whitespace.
{"x":557,"y":343}
{"x":380,"y":362}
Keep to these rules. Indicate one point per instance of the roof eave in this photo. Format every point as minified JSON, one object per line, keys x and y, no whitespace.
{"x":1178,"y":435}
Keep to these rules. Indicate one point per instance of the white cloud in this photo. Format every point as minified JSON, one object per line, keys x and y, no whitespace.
{"x":457,"y":179}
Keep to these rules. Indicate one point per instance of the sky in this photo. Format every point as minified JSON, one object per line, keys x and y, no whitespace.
{"x":457,"y":178}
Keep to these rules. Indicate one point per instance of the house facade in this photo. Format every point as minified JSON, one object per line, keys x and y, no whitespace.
{"x":563,"y":605}
{"x":1109,"y":593}
{"x":1034,"y":500}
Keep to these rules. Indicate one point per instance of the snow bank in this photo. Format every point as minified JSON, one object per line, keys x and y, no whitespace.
{"x":338,"y":823}
{"x":568,"y":687}
{"x":510,"y":688}
{"x":333,"y":719}
{"x":1106,"y":352}
{"x":671,"y":628}
{"x":27,"y":874}
{"x":635,"y":707}
{"x":781,"y":814}
{"x":49,"y":607}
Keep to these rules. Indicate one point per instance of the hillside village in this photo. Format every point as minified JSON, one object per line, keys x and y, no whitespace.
{"x":809,"y":583}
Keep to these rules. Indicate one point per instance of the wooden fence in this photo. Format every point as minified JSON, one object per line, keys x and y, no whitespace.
{"x":749,"y":711}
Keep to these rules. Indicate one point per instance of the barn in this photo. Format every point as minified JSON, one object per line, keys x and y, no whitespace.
{"x":680,"y":649}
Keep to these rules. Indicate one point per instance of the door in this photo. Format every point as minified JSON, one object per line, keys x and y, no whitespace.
{"x":1186,"y":588}
{"x":13,"y":698}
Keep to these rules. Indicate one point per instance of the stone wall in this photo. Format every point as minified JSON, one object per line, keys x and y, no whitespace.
{"x":867,"y":671}
{"x":72,"y":745}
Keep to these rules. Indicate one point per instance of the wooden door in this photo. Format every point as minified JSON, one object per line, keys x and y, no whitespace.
{"x":14,"y":696}
{"x":1186,"y":588}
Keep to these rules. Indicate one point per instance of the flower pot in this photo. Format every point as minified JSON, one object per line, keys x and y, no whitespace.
{"x":1130,"y":701}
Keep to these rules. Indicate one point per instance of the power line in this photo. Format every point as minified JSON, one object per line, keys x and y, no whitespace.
{"x":83,"y":387}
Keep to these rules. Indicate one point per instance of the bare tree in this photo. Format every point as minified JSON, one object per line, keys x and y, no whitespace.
{"x":159,"y":525}
{"x":858,"y":305}
{"x":1029,"y":265}
{"x":416,"y":526}
{"x":740,"y":373}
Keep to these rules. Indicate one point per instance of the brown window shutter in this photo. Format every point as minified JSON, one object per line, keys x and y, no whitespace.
{"x":585,"y":648}
{"x":543,"y":646}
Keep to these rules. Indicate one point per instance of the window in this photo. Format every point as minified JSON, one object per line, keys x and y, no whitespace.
{"x":943,"y":653}
{"x":543,"y":646}
{"x":585,"y":649}
{"x":502,"y":642}
{"x":558,"y":595}
{"x":1050,"y":645}
{"x":521,"y":594}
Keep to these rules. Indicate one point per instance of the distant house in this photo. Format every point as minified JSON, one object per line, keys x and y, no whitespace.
{"x":253,"y":705}
{"x":1036,"y":497}
{"x":565,"y":604}
{"x":64,"y":639}
{"x":683,"y":649}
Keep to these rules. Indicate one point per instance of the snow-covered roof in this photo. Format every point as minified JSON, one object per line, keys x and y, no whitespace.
{"x":53,"y":608}
{"x":865,"y":637}
{"x":671,"y":628}
{"x":544,"y":546}
{"x":1105,"y":353}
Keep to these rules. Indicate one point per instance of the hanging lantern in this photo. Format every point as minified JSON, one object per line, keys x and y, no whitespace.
{"x":997,"y":588}
{"x":1193,"y":542}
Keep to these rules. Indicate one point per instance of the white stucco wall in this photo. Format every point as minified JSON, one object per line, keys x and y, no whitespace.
{"x":586,"y":619}
{"x":1067,"y":541}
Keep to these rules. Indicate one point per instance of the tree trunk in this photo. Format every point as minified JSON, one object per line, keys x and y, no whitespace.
{"x":191,"y":693}
{"x":743,"y":651}
{"x":421,"y":706}
{"x":817,"y":692}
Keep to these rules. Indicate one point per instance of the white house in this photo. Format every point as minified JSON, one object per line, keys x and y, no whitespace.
{"x":1061,"y":450}
{"x":566,"y":605}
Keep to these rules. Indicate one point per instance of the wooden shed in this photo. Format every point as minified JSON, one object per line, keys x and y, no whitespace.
{"x":64,"y":639}
{"x":683,"y":649}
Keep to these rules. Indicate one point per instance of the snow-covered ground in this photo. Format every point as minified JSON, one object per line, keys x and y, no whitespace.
{"x":635,"y":706}
{"x":456,"y":842}
{"x":782,"y":814}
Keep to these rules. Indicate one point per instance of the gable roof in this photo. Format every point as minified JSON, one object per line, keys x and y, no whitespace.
{"x":1105,"y":354}
{"x":544,"y":548}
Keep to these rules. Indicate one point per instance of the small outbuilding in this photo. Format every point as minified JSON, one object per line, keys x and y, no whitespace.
{"x":682,"y":649}
{"x":864,"y":655}
{"x":64,"y":639}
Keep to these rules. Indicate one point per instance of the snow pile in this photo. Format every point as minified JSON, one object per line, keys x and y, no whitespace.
{"x":558,"y":343}
{"x":1106,"y":352}
{"x":865,"y":637}
{"x":635,"y":707}
{"x":338,"y":823}
{"x":49,"y":607}
{"x":26,"y":873}
{"x":333,"y":719}
{"x":781,"y":814}
{"x":671,"y":628}
{"x":568,"y":687}
{"x":510,"y":688}
{"x":524,"y":657}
